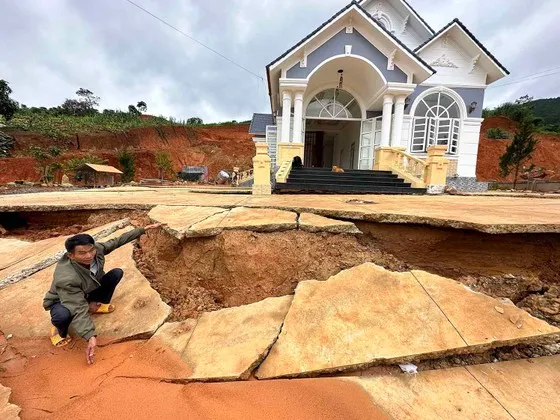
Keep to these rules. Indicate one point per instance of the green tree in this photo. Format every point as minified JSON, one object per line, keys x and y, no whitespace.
{"x":141,"y":106}
{"x":128,"y":166}
{"x":84,"y":105}
{"x":521,"y":148}
{"x":8,"y":106}
{"x":195,"y":121}
{"x":133,"y":110}
{"x":164,"y":164}
{"x":45,"y":158}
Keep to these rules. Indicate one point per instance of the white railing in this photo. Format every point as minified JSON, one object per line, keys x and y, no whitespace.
{"x":243,"y":177}
{"x":284,"y":171}
{"x":408,"y":166}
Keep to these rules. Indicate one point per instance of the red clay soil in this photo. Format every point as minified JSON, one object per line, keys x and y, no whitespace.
{"x":218,"y":148}
{"x":50,"y":383}
{"x":546,"y":156}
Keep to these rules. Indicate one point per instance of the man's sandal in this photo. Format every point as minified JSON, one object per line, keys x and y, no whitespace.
{"x":105,"y":308}
{"x":57,"y":340}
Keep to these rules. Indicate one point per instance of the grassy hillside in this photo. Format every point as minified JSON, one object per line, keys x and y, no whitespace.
{"x":548,"y":110}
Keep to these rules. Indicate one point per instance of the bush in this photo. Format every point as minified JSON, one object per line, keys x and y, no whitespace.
{"x":126,"y":160}
{"x":6,"y":144}
{"x":497,"y":133}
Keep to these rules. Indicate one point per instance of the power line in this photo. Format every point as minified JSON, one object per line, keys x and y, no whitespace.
{"x":529,"y":78}
{"x":194,"y":39}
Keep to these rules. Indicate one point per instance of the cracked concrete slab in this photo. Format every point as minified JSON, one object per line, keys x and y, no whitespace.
{"x":139,"y":309}
{"x":439,"y":394}
{"x":186,"y":221}
{"x":29,"y":259}
{"x":180,"y":219}
{"x":485,"y":214}
{"x":314,"y":223}
{"x":228,"y":344}
{"x":7,"y":411}
{"x":367,"y":315}
{"x":527,"y":389}
{"x":219,"y":346}
{"x":357,"y":317}
{"x":495,"y":322}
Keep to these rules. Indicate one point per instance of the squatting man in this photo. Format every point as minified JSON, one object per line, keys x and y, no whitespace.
{"x":81,"y":288}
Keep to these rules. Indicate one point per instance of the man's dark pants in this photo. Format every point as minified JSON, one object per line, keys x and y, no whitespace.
{"x":61,"y":317}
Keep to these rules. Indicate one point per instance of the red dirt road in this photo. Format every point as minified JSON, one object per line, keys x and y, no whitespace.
{"x":50,"y":383}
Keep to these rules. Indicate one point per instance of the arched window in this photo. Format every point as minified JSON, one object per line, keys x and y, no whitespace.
{"x":334,"y":104}
{"x":436,"y":122}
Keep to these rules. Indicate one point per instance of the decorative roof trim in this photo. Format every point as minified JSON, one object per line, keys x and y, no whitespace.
{"x":470,"y":35}
{"x":334,"y":17}
{"x":415,"y":13}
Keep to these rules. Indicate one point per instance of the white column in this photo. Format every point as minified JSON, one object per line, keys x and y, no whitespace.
{"x":286,"y":114}
{"x":386,"y":120}
{"x":298,"y":117}
{"x":396,"y":136}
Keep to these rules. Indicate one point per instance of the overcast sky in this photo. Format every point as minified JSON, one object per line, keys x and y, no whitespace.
{"x":50,"y":48}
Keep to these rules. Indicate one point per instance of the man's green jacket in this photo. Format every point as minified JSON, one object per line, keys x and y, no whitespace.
{"x":72,"y":283}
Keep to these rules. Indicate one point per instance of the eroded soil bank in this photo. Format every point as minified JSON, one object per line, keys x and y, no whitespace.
{"x":241,"y":267}
{"x":35,"y":226}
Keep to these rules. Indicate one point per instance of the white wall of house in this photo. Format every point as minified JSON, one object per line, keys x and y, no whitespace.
{"x":398,"y":23}
{"x":454,"y":65}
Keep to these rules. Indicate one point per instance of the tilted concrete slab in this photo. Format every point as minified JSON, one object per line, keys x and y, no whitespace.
{"x":30,"y":259}
{"x":314,"y":223}
{"x":186,"y":221}
{"x":222,"y":345}
{"x":139,"y":309}
{"x":360,"y":316}
{"x":368,"y":315}
{"x":450,"y":394}
{"x":527,"y":389}
{"x":480,"y":319}
{"x":180,"y":219}
{"x":228,"y":344}
{"x":7,"y":411}
{"x":485,"y":214}
{"x":9,"y":249}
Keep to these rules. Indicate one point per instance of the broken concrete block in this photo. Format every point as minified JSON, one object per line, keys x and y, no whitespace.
{"x":527,"y":389}
{"x":228,"y":344}
{"x":179,"y":219}
{"x":7,"y":411}
{"x":493,"y":323}
{"x":437,"y":394}
{"x":356,"y":318}
{"x":314,"y":223}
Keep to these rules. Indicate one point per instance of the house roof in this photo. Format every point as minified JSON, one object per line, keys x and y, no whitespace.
{"x":470,"y":34}
{"x":356,"y":4}
{"x":364,"y":11}
{"x":259,"y":123}
{"x":105,"y":169}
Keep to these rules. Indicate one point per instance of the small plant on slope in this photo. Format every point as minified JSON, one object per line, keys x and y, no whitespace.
{"x":126,"y":161}
{"x":521,"y":148}
{"x":164,"y":164}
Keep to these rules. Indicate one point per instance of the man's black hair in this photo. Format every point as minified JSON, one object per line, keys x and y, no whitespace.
{"x":76,"y":240}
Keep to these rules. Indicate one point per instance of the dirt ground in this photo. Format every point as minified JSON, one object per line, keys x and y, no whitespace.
{"x":50,"y":383}
{"x":489,"y":152}
{"x":524,"y":268}
{"x":36,"y":226}
{"x":240,"y":267}
{"x":218,"y":148}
